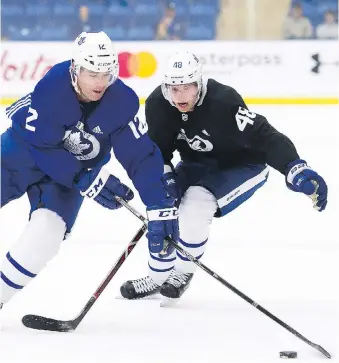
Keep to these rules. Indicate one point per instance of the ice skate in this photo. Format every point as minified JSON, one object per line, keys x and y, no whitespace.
{"x":174,"y":287}
{"x":141,"y":288}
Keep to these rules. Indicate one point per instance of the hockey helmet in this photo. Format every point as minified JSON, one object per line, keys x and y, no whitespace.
{"x":94,"y":52}
{"x":182,"y":68}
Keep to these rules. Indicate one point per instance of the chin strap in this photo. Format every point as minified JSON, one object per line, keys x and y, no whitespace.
{"x":74,"y":78}
{"x":73,"y":74}
{"x":203,"y":92}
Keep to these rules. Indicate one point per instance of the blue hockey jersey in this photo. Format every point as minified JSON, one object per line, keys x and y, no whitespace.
{"x":61,"y":142}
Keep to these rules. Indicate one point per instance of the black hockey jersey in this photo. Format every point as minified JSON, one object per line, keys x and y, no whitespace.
{"x":220,"y":130}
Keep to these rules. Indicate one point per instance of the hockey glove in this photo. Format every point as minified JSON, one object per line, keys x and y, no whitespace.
{"x":162,"y":222}
{"x":100,"y":185}
{"x":301,"y":178}
{"x":170,"y":182}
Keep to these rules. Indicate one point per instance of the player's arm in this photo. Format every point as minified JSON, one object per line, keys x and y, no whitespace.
{"x":141,"y":159}
{"x":44,"y":136}
{"x":144,"y":164}
{"x":255,"y":131}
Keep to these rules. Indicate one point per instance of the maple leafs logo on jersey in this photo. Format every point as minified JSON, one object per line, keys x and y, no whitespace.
{"x":73,"y":144}
{"x":196,"y":143}
{"x":81,"y":144}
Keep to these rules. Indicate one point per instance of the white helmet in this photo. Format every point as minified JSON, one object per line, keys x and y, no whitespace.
{"x":95,"y":52}
{"x":182,"y":68}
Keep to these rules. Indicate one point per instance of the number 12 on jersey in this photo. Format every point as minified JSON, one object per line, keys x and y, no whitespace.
{"x":244,"y":117}
{"x":138,"y":127}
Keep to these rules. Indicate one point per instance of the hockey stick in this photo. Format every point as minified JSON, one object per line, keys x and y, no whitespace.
{"x":228,"y":285}
{"x":43,"y":323}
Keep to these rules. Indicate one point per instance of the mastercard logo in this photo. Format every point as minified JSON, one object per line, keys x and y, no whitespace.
{"x":142,"y":64}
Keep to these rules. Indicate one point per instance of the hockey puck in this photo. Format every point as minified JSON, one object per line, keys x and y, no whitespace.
{"x":288,"y":354}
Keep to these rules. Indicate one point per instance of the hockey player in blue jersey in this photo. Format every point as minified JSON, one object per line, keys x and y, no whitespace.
{"x":61,"y":135}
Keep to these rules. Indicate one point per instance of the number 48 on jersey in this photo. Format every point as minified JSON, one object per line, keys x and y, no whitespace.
{"x":244,"y":117}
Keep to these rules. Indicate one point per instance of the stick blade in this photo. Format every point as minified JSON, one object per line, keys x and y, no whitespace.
{"x":42,"y":323}
{"x":322,"y":350}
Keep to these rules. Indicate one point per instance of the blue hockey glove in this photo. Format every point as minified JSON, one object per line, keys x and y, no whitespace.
{"x":102,"y":186}
{"x":170,"y":182}
{"x":301,"y":178}
{"x":162,"y":222}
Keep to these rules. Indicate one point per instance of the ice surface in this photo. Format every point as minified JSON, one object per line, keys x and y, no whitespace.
{"x":275,"y":248}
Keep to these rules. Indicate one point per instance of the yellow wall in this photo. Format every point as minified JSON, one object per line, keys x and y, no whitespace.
{"x":269,"y":16}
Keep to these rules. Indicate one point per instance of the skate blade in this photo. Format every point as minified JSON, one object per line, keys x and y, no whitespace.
{"x":151,"y":297}
{"x":167,"y":302}
{"x":1,"y":322}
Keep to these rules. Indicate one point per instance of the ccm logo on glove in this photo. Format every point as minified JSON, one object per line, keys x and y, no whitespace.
{"x":101,"y":186}
{"x":97,"y":184}
{"x":165,"y":214}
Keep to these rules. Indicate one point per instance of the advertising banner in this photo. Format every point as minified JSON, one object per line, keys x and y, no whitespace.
{"x":261,"y":71}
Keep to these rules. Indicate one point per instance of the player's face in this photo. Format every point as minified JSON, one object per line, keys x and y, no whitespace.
{"x":93,"y":85}
{"x":184,"y":96}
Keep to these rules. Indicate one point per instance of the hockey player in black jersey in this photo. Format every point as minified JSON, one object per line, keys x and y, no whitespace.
{"x":225,"y":151}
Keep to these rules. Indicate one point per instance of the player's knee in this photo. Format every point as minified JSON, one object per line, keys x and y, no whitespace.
{"x":45,"y":220}
{"x":198,"y":202}
{"x":40,"y":240}
{"x":38,"y":244}
{"x":196,"y":212}
{"x":48,"y":226}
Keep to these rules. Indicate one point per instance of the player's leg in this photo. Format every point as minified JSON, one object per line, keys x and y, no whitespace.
{"x":186,"y":176}
{"x":216,"y":194}
{"x":159,"y":267}
{"x":53,"y":212}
